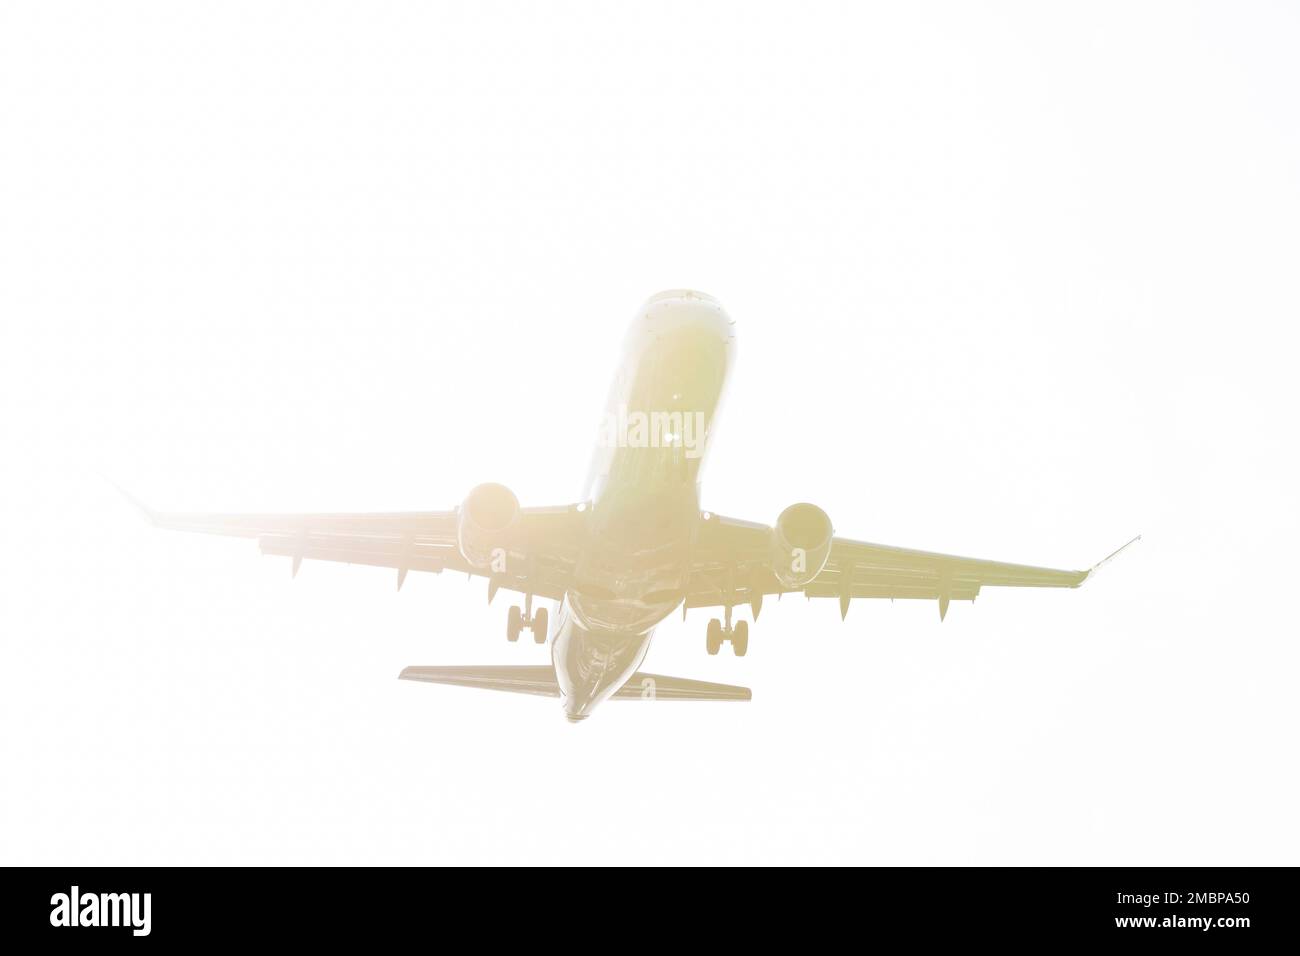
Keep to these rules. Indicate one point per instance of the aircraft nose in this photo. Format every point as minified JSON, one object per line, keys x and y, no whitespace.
{"x":686,"y":310}
{"x":683,"y":294}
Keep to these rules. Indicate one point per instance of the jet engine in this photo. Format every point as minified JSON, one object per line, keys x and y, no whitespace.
{"x":488,"y":515}
{"x":801,"y":544}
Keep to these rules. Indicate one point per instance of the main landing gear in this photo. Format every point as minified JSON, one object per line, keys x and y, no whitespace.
{"x":535,"y":621}
{"x":718,"y":632}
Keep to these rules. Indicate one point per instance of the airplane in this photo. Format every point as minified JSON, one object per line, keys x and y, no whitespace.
{"x":636,"y":546}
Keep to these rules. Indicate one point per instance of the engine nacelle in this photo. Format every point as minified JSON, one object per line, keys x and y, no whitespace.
{"x":801,"y":544}
{"x":488,"y":515}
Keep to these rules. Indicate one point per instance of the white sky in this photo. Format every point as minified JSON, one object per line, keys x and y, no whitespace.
{"x":1011,"y":282}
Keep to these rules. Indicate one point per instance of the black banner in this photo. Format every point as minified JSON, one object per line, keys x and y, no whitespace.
{"x":143,"y":907}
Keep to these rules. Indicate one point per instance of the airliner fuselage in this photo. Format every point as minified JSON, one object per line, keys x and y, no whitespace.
{"x":643,"y":491}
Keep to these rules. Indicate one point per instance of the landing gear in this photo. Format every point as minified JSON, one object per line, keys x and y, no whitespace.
{"x":713,"y":638}
{"x":517,"y":620}
{"x":718,"y":632}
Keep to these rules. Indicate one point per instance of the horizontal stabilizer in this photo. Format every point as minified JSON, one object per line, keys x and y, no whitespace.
{"x":536,"y":679}
{"x":540,"y":680}
{"x":644,"y":686}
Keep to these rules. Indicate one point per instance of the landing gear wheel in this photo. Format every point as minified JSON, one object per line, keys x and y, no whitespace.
{"x":713,"y":637}
{"x":540,"y":620}
{"x":514,"y":624}
{"x":740,"y":638}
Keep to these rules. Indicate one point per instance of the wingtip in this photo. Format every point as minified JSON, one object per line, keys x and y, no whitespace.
{"x":1114,"y":554}
{"x":139,"y":505}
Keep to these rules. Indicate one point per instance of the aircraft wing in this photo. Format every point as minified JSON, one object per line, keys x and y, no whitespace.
{"x":542,"y":549}
{"x":731,"y":565}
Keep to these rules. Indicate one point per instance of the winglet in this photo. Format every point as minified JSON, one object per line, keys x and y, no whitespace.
{"x":150,"y":515}
{"x":1093,"y":570}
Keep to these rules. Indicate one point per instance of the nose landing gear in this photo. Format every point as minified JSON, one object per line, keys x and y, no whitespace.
{"x":536,"y":622}
{"x":718,"y":632}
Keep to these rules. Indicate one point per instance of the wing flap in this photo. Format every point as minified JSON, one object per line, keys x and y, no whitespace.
{"x":730,"y":566}
{"x":542,"y":550}
{"x":376,"y":552}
